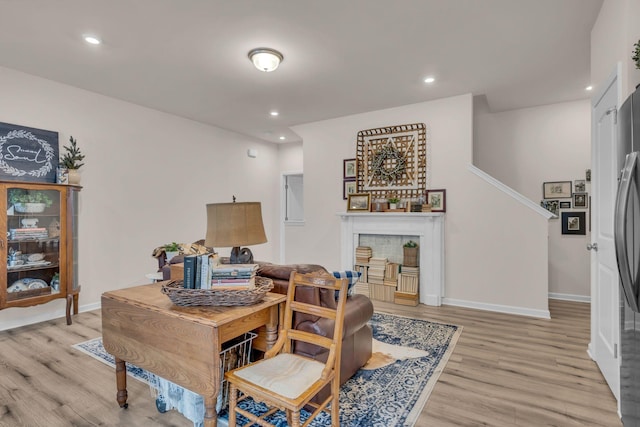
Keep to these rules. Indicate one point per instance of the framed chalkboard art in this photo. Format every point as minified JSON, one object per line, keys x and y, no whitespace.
{"x":28,"y":154}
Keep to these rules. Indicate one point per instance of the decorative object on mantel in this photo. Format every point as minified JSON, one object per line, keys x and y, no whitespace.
{"x":27,"y":154}
{"x":393,"y":202}
{"x":349,"y":187}
{"x":392,"y":159}
{"x":72,"y":161}
{"x":437,"y":199}
{"x":359,"y":202}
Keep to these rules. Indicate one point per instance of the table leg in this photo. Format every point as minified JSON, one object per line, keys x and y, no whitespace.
{"x":210,"y":415}
{"x":121,"y":383}
{"x":272,"y":326}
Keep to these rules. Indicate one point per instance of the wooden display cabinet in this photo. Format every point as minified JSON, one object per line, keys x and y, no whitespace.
{"x":39,"y":253}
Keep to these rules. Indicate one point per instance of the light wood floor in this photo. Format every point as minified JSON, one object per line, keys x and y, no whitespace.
{"x":505,"y":371}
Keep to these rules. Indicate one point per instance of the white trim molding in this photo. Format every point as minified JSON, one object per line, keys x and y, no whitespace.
{"x":521,"y":311}
{"x":511,"y":192}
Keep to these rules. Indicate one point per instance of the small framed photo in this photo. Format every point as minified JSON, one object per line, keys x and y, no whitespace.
{"x":580,"y":200}
{"x":551,"y":205}
{"x":573,"y":223}
{"x":556,"y":190}
{"x":579,"y":186}
{"x":587,"y":175}
{"x":349,"y":168}
{"x":437,"y":199}
{"x":349,"y":187}
{"x":358,"y":202}
{"x":565,"y":205}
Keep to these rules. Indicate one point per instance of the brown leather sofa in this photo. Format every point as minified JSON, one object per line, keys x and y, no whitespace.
{"x":357,"y":334}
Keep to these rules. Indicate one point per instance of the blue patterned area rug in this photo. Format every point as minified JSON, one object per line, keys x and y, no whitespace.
{"x":391,"y":390}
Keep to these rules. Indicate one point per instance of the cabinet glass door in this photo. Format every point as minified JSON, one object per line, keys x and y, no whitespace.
{"x":33,"y":243}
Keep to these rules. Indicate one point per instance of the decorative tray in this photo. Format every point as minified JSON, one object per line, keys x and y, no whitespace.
{"x":216,"y":297}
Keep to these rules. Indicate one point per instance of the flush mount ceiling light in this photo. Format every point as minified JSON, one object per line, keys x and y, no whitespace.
{"x":265,"y":59}
{"x":429,"y":80}
{"x":91,"y":39}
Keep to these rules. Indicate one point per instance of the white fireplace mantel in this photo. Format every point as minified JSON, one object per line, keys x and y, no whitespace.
{"x":429,"y":227}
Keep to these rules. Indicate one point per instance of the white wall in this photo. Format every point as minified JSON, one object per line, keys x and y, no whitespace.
{"x":146,"y":181}
{"x":524,"y":148}
{"x":496,"y":248}
{"x":612,"y":39}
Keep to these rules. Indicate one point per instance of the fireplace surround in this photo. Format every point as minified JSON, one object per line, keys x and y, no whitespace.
{"x":427,"y":227}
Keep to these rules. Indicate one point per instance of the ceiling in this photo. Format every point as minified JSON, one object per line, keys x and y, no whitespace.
{"x":341,"y":57}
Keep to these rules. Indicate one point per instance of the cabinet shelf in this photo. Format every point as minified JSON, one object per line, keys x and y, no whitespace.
{"x":47,"y":240}
{"x":32,"y":267}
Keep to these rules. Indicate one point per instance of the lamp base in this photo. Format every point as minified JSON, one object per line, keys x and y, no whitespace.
{"x":241,"y":256}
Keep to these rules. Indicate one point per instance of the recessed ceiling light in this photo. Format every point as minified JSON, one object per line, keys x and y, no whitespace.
{"x":429,"y":80}
{"x":91,"y":39}
{"x":588,"y":88}
{"x":282,"y":138}
{"x":274,"y":113}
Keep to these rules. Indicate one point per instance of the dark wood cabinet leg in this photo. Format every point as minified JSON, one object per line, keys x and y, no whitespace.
{"x":69,"y":301}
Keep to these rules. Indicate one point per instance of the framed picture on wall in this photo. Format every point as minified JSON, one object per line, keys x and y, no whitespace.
{"x":551,"y":205}
{"x":580,"y":185}
{"x":349,"y":168}
{"x":556,"y":190}
{"x":437,"y":199}
{"x":574,"y":223}
{"x":358,"y":202}
{"x":349,"y":187}
{"x":580,"y":200}
{"x":565,"y":205}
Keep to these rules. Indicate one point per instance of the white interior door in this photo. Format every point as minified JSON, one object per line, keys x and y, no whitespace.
{"x":605,"y":309}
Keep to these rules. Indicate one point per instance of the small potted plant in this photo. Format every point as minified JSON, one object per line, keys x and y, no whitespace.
{"x":410,"y":249}
{"x":171,"y":249}
{"x":393,"y":202}
{"x":72,"y":160}
{"x":25,"y":201}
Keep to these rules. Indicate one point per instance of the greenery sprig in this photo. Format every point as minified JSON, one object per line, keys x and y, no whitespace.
{"x":636,"y":56}
{"x":18,"y":195}
{"x":73,"y":157}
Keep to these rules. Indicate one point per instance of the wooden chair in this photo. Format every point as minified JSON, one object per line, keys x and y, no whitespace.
{"x":287,"y":381}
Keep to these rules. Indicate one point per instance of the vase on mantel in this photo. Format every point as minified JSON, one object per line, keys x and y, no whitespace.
{"x":73,"y":176}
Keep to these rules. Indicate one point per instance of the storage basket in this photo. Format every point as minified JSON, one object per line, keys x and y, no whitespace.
{"x":235,"y":353}
{"x":216,"y":297}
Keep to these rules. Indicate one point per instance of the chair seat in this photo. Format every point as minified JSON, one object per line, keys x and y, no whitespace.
{"x":286,"y":374}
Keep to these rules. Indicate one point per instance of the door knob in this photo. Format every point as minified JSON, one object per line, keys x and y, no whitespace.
{"x":593,"y":246}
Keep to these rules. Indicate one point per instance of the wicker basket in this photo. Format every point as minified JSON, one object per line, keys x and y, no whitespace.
{"x":200,"y":297}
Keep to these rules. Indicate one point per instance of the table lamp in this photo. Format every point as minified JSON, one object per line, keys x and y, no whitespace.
{"x":234,"y":225}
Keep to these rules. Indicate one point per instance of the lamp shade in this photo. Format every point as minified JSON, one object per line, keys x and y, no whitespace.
{"x":234,"y":224}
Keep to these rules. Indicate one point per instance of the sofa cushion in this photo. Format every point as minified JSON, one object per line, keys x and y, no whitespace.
{"x":350,"y":275}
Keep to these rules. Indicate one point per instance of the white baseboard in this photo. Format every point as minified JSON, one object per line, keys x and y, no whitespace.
{"x":44,"y":317}
{"x":521,"y":311}
{"x":570,"y":297}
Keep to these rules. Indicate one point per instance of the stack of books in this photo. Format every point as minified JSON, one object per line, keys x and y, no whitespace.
{"x":409,"y":279}
{"x":233,"y":276}
{"x":377,"y":267}
{"x":28,"y":233}
{"x":391,"y":274}
{"x":197,"y":270}
{"x":363,"y":254}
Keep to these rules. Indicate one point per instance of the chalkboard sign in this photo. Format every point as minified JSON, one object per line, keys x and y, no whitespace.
{"x":28,"y":154}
